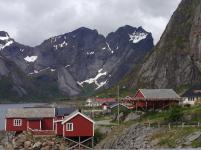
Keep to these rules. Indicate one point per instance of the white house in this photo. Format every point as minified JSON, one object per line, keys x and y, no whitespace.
{"x":191,"y":96}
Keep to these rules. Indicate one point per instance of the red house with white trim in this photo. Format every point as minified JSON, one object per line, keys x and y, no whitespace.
{"x":77,"y":125}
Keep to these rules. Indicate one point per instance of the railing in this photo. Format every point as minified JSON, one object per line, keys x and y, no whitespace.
{"x":41,"y":132}
{"x":171,"y":125}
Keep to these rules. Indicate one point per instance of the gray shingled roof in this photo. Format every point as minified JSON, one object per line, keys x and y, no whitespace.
{"x":64,"y":111}
{"x":30,"y":112}
{"x":160,"y":93}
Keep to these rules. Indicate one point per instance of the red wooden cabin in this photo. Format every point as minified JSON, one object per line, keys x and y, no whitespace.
{"x":30,"y":119}
{"x":77,"y":125}
{"x":154,"y":98}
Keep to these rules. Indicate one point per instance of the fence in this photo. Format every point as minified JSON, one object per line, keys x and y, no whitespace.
{"x":171,"y":125}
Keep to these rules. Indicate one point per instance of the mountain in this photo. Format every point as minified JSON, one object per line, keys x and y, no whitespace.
{"x":175,"y":60}
{"x":79,"y":62}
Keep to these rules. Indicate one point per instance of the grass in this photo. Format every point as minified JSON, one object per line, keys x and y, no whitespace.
{"x":98,"y":136}
{"x":196,"y":143}
{"x":101,"y":117}
{"x":174,"y":137}
{"x":154,"y":116}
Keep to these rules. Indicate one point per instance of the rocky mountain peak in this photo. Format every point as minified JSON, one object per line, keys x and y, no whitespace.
{"x":4,"y":35}
{"x":5,"y":40}
{"x":83,"y":31}
{"x":79,"y":60}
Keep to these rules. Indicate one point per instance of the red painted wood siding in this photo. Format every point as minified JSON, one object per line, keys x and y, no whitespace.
{"x":59,"y":128}
{"x":34,"y":124}
{"x":139,"y":94}
{"x":47,"y":124}
{"x":81,"y":127}
{"x":10,"y":127}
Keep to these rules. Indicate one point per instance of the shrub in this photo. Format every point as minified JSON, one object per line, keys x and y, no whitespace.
{"x":175,"y":114}
{"x":98,"y":136}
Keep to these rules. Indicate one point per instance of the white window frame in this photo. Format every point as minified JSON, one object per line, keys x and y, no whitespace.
{"x":17,"y":122}
{"x":69,"y":126}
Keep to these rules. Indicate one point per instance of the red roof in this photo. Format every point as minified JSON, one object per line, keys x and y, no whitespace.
{"x":103,"y":100}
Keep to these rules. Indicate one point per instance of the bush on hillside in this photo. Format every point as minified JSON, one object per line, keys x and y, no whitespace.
{"x":175,"y":114}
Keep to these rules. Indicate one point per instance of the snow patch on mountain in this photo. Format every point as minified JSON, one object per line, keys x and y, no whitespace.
{"x":31,"y":58}
{"x":95,"y":80}
{"x":90,"y":53}
{"x":67,"y":66}
{"x":61,"y":45}
{"x":52,"y":70}
{"x":109,"y":48}
{"x":38,"y":71}
{"x":101,"y":84}
{"x":136,"y":36}
{"x":8,"y":43}
{"x":21,"y":50}
{"x":3,"y":38}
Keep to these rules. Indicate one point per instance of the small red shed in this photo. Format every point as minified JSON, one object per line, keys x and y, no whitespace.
{"x":78,"y":125}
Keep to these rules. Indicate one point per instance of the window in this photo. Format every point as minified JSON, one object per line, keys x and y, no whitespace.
{"x":17,"y":122}
{"x":69,"y":127}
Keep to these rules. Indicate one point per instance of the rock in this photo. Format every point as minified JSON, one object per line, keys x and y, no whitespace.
{"x":132,"y":116}
{"x":27,"y":144}
{"x":50,"y":143}
{"x":134,"y":137}
{"x":154,"y":142}
{"x":62,"y":147}
{"x":104,"y":129}
{"x":37,"y":145}
{"x":17,"y":143}
{"x":189,"y":139}
{"x":56,"y":147}
{"x":121,"y":115}
{"x":44,"y":144}
{"x":45,"y":148}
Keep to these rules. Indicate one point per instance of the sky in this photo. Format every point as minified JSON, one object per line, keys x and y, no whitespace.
{"x":30,"y":22}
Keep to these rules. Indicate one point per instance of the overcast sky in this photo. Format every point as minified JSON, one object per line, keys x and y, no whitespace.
{"x":32,"y":21}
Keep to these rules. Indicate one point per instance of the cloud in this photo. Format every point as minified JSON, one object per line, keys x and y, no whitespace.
{"x":32,"y":21}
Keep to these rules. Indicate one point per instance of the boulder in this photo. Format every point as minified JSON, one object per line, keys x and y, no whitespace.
{"x":45,"y":148}
{"x":27,"y":144}
{"x":189,"y":139}
{"x":132,"y":116}
{"x":62,"y":147}
{"x":44,"y":144}
{"x":37,"y":145}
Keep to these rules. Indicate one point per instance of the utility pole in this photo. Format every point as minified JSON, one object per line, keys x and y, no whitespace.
{"x":118,"y":103}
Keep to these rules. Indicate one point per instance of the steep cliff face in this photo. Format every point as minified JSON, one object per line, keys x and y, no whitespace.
{"x":175,"y":61}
